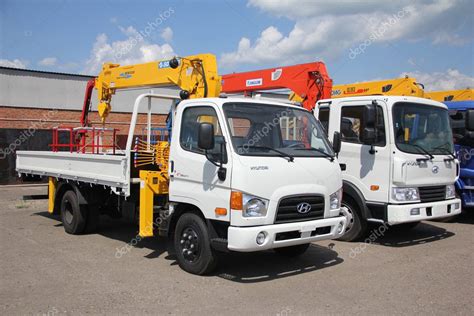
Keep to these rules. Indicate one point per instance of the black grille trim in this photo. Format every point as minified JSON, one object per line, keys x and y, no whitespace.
{"x":286,"y":210}
{"x":432,"y":194}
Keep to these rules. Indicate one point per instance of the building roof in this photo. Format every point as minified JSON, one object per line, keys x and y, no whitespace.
{"x":45,"y":72}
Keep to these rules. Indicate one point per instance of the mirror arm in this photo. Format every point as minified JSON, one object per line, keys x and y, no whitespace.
{"x":372,"y":150}
{"x":211,"y":160}
{"x":222,"y":172}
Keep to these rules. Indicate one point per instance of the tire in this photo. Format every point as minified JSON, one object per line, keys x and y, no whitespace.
{"x":73,"y":215}
{"x":356,"y":226}
{"x":192,"y":245}
{"x":292,"y":251}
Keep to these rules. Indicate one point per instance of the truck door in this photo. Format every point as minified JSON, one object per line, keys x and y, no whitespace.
{"x":193,"y":176}
{"x":370,"y":173}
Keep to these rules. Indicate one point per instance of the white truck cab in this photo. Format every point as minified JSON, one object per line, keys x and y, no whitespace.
{"x":397,"y":157}
{"x":269,"y":165}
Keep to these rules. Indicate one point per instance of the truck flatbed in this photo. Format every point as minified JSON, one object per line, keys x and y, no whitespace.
{"x":108,"y":170}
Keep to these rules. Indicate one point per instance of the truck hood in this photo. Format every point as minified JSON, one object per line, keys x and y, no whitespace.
{"x":410,"y":172}
{"x":275,"y":177}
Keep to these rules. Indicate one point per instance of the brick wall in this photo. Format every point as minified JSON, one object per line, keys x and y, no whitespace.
{"x":24,"y":118}
{"x":14,"y":122}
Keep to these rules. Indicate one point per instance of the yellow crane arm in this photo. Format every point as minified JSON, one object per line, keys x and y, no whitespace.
{"x":451,"y":95}
{"x":196,"y":76}
{"x":401,"y":86}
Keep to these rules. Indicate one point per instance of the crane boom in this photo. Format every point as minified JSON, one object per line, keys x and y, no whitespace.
{"x":196,"y":76}
{"x":451,"y":95}
{"x":401,"y":86}
{"x":310,"y":82}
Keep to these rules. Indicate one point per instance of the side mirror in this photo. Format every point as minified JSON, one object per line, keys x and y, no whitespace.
{"x":336,"y":142}
{"x":470,"y":120}
{"x":206,"y":136}
{"x":370,"y":116}
{"x":368,"y":136}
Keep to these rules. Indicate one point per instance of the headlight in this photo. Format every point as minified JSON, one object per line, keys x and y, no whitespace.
{"x":450,"y":191}
{"x":335,"y":200}
{"x":253,"y":206}
{"x":405,"y":194}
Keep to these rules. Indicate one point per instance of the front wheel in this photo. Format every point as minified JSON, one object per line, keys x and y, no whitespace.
{"x":292,"y":251}
{"x":356,"y":225}
{"x":192,"y":245}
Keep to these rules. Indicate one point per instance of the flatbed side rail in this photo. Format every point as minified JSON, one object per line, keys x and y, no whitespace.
{"x":108,"y":170}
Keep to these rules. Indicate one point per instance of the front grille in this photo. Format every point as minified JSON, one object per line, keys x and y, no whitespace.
{"x":287,"y":209}
{"x":432,"y":194}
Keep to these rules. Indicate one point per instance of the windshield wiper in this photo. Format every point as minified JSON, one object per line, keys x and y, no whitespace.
{"x":281,"y":153}
{"x":423,"y":150}
{"x":441,"y":147}
{"x":325,"y":154}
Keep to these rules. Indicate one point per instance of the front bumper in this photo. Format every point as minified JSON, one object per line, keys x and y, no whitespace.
{"x":398,"y":214}
{"x":244,"y":239}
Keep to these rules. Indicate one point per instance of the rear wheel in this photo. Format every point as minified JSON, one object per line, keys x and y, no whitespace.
{"x":73,"y":215}
{"x":356,"y":225}
{"x":192,"y":245}
{"x":292,"y":251}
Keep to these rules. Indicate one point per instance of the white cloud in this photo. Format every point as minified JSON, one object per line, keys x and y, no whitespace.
{"x":15,"y":63}
{"x":48,"y":61}
{"x":449,"y":80}
{"x":299,"y":9}
{"x":135,"y":49}
{"x":449,"y":38}
{"x":326,"y":29}
{"x":167,"y":34}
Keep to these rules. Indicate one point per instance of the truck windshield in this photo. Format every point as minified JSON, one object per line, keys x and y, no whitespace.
{"x":270,"y":130}
{"x":422,"y":129}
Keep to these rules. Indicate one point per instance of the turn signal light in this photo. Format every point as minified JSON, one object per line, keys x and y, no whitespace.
{"x":374,"y":187}
{"x":236,"y":201}
{"x":220,"y":211}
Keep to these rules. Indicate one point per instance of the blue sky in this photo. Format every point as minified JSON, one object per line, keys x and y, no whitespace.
{"x":432,"y":40}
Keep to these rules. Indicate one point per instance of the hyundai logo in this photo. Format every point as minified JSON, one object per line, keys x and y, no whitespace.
{"x":435,"y":169}
{"x":303,"y":208}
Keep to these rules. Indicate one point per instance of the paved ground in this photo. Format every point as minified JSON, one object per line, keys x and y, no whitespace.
{"x":45,"y":271}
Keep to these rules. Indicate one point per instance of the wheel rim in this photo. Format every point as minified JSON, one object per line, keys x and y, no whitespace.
{"x":349,"y":214}
{"x":68,"y":212}
{"x":189,"y":244}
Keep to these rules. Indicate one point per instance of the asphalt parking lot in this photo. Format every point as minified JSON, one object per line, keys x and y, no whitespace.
{"x":45,"y":271}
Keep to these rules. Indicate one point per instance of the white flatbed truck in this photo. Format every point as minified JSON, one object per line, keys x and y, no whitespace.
{"x":233,"y":176}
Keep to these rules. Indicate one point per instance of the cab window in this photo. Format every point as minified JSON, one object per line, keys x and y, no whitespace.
{"x":352,"y":125}
{"x":323,"y":117}
{"x":192,"y":118}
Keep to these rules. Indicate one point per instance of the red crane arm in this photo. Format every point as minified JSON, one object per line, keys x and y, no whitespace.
{"x":310,"y":82}
{"x":86,"y":106}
